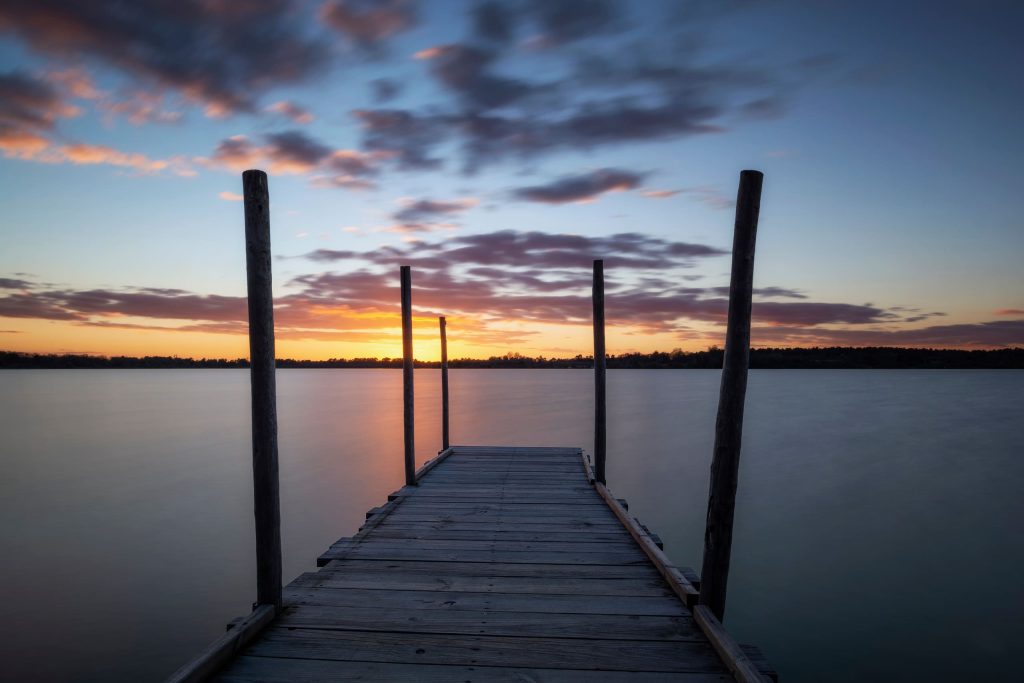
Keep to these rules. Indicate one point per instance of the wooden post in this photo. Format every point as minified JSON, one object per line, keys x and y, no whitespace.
{"x":407,"y":377}
{"x":267,"y":506}
{"x":729,"y":425}
{"x":444,"y":385}
{"x":600,"y":414}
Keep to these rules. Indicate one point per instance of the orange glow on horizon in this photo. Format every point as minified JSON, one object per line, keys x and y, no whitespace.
{"x":382,"y":340}
{"x":367,"y":334}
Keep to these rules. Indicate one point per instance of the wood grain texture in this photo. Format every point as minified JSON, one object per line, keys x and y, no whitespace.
{"x":393,"y":597}
{"x":445,"y":435}
{"x":491,"y":623}
{"x":517,"y":650}
{"x":276,"y":670}
{"x":266,"y":490}
{"x":600,"y":367}
{"x":408,"y":401}
{"x":224,"y":648}
{"x":725,"y":462}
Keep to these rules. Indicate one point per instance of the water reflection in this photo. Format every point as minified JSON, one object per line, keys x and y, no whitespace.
{"x":868,"y":500}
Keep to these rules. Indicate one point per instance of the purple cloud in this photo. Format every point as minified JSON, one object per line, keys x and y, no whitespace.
{"x":424,"y":215}
{"x":369,"y":23}
{"x":202,"y":50}
{"x":582,"y":188}
{"x":385,"y":89}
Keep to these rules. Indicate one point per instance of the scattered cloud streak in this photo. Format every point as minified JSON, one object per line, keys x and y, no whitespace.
{"x":294,"y":152}
{"x":29,"y":109}
{"x":708,"y":195}
{"x":582,"y":188}
{"x":292,"y":111}
{"x":426,"y":215}
{"x":368,"y":24}
{"x":385,"y":89}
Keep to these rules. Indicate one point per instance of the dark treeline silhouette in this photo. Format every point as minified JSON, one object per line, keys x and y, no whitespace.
{"x":881,"y":357}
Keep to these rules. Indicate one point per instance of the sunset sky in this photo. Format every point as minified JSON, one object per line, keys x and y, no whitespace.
{"x":497,"y":148}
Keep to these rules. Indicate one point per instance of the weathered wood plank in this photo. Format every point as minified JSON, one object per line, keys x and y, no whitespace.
{"x":497,"y":503}
{"x":502,"y":482}
{"x":413,"y":552}
{"x":514,"y":480}
{"x":760,"y":662}
{"x":506,"y":521}
{"x":675,"y":579}
{"x":483,"y":622}
{"x":622,"y":545}
{"x":224,"y":648}
{"x":504,"y":494}
{"x":525,"y":651}
{"x":409,"y":532}
{"x":511,"y":491}
{"x":540,"y":507}
{"x":429,"y":465}
{"x":522,"y":468}
{"x":440,"y":582}
{"x":516,"y":449}
{"x":287,"y":670}
{"x":484,"y":527}
{"x":732,"y":655}
{"x":387,"y":596}
{"x":495,"y":569}
{"x":501,"y":498}
{"x":513,"y":457}
{"x":506,"y":489}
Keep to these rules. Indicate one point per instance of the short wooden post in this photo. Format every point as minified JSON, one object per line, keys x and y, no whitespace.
{"x":729,"y":425}
{"x":444,"y":384}
{"x":267,"y":506}
{"x":600,"y":412}
{"x":407,"y":376}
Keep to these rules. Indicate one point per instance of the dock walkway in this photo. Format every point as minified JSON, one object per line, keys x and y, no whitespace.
{"x":501,"y":564}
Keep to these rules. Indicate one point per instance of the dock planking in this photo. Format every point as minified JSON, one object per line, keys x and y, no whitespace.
{"x":500,"y":564}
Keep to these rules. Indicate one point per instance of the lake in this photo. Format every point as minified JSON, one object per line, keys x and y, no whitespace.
{"x":878,"y":523}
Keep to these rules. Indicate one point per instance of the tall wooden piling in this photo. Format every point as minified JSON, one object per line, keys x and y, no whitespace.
{"x":266,"y":497}
{"x":600,"y":411}
{"x":444,"y":384}
{"x":407,"y":376}
{"x":729,"y":424}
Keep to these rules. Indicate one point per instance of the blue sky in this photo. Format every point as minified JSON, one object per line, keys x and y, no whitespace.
{"x":499,"y":147}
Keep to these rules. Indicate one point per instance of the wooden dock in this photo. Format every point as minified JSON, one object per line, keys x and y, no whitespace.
{"x":502,"y":564}
{"x":492,"y":563}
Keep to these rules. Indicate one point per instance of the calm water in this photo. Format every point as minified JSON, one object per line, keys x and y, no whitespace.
{"x":878,"y":529}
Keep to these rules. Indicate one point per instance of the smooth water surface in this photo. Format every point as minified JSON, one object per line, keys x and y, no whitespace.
{"x":878,"y":528}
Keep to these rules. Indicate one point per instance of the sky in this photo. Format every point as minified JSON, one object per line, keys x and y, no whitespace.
{"x":498,"y":147}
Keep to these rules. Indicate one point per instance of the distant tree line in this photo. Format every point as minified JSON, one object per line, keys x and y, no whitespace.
{"x":880,"y":357}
